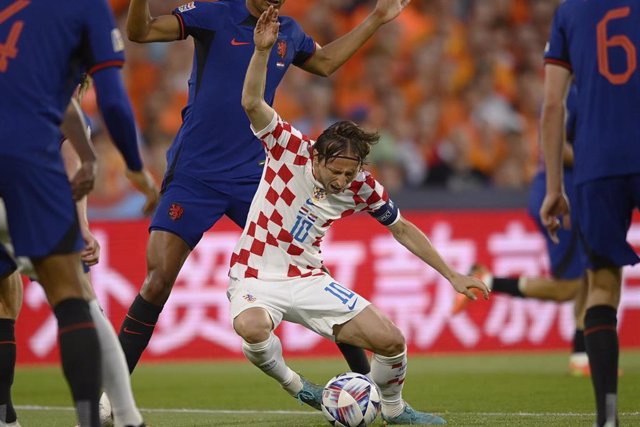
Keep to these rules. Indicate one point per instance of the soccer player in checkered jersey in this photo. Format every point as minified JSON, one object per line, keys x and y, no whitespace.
{"x":215,"y":162}
{"x":276,"y":269}
{"x":46,"y":47}
{"x":597,"y":44}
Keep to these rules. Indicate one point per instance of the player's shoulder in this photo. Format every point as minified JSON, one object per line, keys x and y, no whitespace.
{"x":364,"y":181}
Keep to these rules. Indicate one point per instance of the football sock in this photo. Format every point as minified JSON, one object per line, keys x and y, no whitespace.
{"x":601,"y":340}
{"x":115,"y":375}
{"x":356,"y":358}
{"x":137,"y":328}
{"x":80,"y":354}
{"x":507,"y":285}
{"x":388,"y":373}
{"x":267,"y":356}
{"x":578,"y":341}
{"x":7,"y":369}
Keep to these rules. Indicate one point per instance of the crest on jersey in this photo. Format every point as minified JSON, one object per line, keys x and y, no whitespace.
{"x":187,"y":6}
{"x":175,"y":211}
{"x":116,"y":40}
{"x":282,"y":48}
{"x":318,"y":194}
{"x":249,"y":298}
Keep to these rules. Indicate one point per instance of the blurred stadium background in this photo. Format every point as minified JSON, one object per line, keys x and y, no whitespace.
{"x":455,"y":87}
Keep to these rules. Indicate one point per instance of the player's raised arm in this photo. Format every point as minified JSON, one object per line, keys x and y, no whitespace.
{"x":143,"y":28}
{"x":264,"y":36}
{"x":329,"y":58}
{"x":418,"y":243}
{"x":556,"y":84}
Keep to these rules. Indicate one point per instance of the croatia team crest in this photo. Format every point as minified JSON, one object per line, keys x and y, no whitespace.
{"x":249,"y":298}
{"x":175,"y":211}
{"x":318,"y":194}
{"x":281,"y":48}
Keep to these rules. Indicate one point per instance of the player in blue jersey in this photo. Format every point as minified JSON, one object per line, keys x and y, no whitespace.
{"x":597,"y":44}
{"x":567,"y":281}
{"x":215,"y":162}
{"x":46,"y":48}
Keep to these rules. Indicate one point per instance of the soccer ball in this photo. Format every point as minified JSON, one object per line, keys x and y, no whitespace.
{"x":350,"y":400}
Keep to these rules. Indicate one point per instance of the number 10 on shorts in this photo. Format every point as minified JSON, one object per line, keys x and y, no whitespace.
{"x":340,"y":292}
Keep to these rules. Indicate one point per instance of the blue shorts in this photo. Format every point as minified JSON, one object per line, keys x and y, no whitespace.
{"x":41,"y":212}
{"x":566,"y":258}
{"x":605,"y":207}
{"x":189,"y":207}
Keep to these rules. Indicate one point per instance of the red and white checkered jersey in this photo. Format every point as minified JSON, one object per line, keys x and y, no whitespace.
{"x":291,"y":213}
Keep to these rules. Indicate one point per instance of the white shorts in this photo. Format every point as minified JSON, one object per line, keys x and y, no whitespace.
{"x":317,"y":303}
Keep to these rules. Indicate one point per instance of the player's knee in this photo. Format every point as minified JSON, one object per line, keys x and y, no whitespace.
{"x":157,"y":287}
{"x":391,"y":342}
{"x":252,"y":329}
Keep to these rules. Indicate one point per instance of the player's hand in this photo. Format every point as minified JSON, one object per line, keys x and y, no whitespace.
{"x":555,"y":205}
{"x":83,"y":180}
{"x":464,"y":284}
{"x":144,"y":183}
{"x":266,"y":32}
{"x":387,"y":10}
{"x":91,"y":252}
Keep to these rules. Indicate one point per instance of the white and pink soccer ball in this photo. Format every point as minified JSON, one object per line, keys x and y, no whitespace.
{"x":350,"y":400}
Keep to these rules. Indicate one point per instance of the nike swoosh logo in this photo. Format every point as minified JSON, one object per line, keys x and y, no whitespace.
{"x":235,"y":42}
{"x":129,"y":331}
{"x":353,"y":304}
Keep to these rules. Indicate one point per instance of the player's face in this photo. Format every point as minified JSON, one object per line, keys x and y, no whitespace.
{"x":335,"y":175}
{"x":256,"y":7}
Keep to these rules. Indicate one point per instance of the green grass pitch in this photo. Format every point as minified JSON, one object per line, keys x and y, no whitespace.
{"x":473,"y":390}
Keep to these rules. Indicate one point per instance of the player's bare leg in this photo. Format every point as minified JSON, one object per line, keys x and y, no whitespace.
{"x":601,"y":339}
{"x":61,"y":278}
{"x":166,"y":254}
{"x":372,"y":330}
{"x":10,"y":303}
{"x":263,"y":348}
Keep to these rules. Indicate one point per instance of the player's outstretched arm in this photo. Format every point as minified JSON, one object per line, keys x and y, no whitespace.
{"x":264,"y":36}
{"x":118,"y":117}
{"x":143,"y":28}
{"x":326,"y":60}
{"x":418,"y":243}
{"x":82,"y":167}
{"x":555,"y":204}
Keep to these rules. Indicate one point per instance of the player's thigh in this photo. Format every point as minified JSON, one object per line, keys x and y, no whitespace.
{"x":41,"y":212}
{"x":10,"y":286}
{"x":244,"y":294}
{"x":604,"y":208}
{"x":373,"y":330}
{"x":321,"y":303}
{"x":188,"y":208}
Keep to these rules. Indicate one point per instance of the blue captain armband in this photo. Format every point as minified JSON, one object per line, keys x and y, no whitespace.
{"x":386,"y":214}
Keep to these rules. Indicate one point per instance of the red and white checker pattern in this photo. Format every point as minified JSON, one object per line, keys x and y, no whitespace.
{"x":267,"y":250}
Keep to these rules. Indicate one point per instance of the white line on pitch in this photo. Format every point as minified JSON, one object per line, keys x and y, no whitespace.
{"x":277,"y":412}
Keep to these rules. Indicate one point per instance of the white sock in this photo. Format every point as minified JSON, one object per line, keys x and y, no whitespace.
{"x":115,"y":373}
{"x":267,"y":356}
{"x":388,"y":373}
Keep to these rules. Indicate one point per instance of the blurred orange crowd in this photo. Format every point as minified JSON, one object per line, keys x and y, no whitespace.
{"x":453,"y":86}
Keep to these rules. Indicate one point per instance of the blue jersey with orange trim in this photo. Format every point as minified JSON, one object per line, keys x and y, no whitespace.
{"x":47,"y":46}
{"x":599,"y":42}
{"x":215,"y":142}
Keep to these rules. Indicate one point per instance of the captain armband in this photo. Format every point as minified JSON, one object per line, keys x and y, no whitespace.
{"x":386,"y":214}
